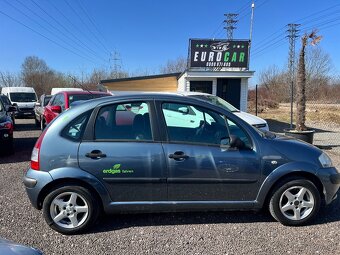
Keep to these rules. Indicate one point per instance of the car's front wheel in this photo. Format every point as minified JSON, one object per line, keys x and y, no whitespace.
{"x":295,"y":202}
{"x":70,"y":209}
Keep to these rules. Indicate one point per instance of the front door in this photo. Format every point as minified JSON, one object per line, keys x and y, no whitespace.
{"x":230,"y":90}
{"x":123,"y":154}
{"x":199,"y":169}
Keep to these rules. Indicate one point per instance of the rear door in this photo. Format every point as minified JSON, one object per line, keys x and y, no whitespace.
{"x":199,"y":169}
{"x":124,"y":154}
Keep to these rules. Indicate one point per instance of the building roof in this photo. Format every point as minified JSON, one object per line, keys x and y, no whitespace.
{"x":142,"y":77}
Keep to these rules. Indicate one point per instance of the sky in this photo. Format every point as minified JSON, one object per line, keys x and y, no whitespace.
{"x":76,"y":36}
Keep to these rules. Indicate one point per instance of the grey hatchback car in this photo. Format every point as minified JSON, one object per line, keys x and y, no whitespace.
{"x":158,"y":152}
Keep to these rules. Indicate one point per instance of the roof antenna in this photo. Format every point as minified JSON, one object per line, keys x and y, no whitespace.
{"x":79,"y":84}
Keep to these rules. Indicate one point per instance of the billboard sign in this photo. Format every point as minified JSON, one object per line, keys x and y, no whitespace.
{"x":218,"y":53}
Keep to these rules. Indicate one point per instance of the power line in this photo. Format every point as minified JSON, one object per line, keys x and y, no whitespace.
{"x":53,"y":27}
{"x":19,"y":22}
{"x":46,"y":29}
{"x":92,"y":22}
{"x":80,"y":42}
{"x":81,"y":19}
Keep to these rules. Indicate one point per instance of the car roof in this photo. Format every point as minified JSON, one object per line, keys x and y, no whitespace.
{"x":75,"y":92}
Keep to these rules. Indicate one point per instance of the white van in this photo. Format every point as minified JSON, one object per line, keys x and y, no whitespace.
{"x":57,"y":90}
{"x":24,"y":98}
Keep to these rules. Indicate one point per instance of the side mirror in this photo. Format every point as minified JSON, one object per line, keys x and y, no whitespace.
{"x":56,"y":108}
{"x":11,"y":109}
{"x":236,"y":142}
{"x":183,"y":110}
{"x":225,"y":141}
{"x":15,"y":104}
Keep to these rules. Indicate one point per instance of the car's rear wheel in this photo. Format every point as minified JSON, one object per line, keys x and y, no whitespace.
{"x":42,"y":124}
{"x":70,"y":209}
{"x":295,"y":203}
{"x":37,"y":122}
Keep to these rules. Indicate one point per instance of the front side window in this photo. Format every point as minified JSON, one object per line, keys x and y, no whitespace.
{"x":128,"y":121}
{"x":206,"y":126}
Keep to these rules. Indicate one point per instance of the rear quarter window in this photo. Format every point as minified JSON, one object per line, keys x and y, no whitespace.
{"x":75,"y":129}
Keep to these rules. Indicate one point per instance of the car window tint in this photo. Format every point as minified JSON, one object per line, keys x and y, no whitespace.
{"x":204,"y":126}
{"x":128,"y":121}
{"x":1,"y":106}
{"x":75,"y":129}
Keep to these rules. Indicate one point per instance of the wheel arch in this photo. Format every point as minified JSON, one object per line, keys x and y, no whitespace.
{"x":66,"y":182}
{"x":267,"y":190}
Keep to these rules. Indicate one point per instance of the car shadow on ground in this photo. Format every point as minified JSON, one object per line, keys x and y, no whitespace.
{"x":22,"y":151}
{"x":279,"y":126}
{"x":327,"y":214}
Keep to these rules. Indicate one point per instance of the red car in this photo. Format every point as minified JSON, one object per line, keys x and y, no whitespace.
{"x":64,"y":100}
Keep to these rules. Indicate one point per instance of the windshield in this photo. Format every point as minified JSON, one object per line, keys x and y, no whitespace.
{"x":46,"y":100}
{"x":215,"y":100}
{"x":23,"y":97}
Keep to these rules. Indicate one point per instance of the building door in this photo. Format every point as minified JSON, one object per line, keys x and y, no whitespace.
{"x":230,"y":90}
{"x":201,"y":86}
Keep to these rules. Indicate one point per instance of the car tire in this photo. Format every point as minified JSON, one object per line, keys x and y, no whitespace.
{"x":42,"y":124}
{"x":70,"y":209}
{"x":295,"y":202}
{"x":37,"y":123}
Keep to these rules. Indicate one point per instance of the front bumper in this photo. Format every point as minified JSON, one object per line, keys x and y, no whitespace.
{"x":330,"y":179}
{"x":23,"y":114}
{"x":34,"y":182}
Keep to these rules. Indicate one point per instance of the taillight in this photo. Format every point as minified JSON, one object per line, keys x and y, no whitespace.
{"x":35,"y":157}
{"x":7,"y":125}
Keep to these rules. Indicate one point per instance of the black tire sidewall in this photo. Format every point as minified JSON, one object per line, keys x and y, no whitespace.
{"x":92,"y":205}
{"x":274,"y":204}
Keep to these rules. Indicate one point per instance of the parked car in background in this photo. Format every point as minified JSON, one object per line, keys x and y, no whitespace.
{"x":6,"y":129}
{"x":57,"y":90}
{"x":40,"y":108}
{"x":24,"y":98}
{"x":11,"y":248}
{"x":7,"y":103}
{"x":251,"y":119}
{"x":86,"y":162}
{"x":63,"y":100}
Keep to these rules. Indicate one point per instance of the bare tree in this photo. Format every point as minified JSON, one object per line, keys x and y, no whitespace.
{"x":275,"y":81}
{"x":37,"y":74}
{"x":8,"y":79}
{"x":174,"y":66}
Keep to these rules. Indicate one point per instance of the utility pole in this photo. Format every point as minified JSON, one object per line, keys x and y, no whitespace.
{"x":292,"y":35}
{"x":251,"y":31}
{"x":115,"y":58}
{"x":230,"y":23}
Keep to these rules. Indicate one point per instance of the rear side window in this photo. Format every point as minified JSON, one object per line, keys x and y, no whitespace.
{"x":75,"y":129}
{"x":128,"y":121}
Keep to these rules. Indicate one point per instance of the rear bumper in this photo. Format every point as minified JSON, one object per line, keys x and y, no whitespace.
{"x":330,"y":179}
{"x":34,"y":182}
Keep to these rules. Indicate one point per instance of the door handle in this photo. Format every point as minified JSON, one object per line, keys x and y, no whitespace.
{"x":95,"y":154}
{"x":178,"y":155}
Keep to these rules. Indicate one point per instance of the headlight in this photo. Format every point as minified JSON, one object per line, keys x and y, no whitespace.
{"x":325,"y":160}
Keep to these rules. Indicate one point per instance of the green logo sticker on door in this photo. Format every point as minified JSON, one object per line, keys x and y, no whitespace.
{"x":116,"y":170}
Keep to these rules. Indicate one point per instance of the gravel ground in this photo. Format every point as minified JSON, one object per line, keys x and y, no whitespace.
{"x":170,"y":233}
